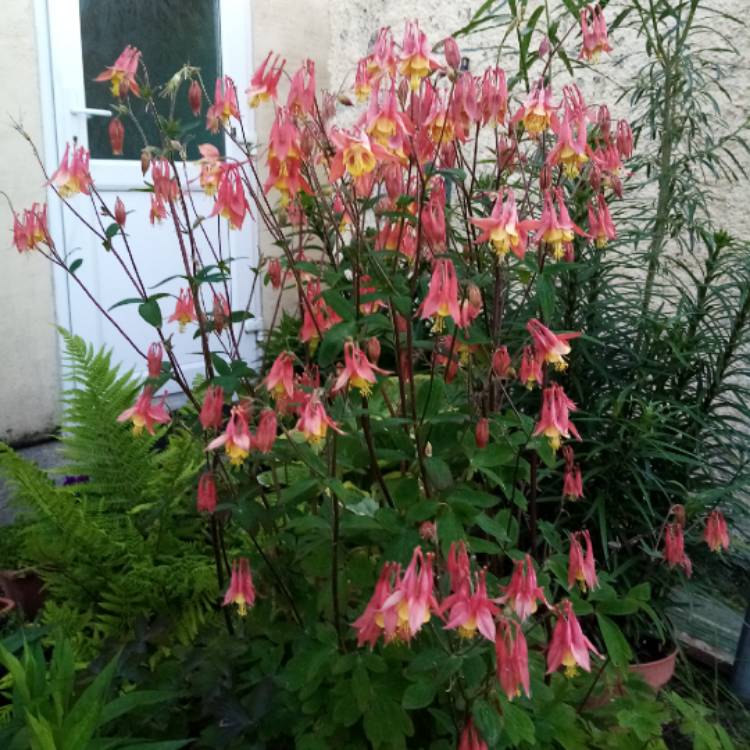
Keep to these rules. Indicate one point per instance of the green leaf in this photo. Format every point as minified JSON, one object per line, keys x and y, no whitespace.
{"x":151,"y":312}
{"x":572,"y":7}
{"x":419,"y":695}
{"x":129,"y":701}
{"x":487,"y":721}
{"x":112,"y":230}
{"x":518,"y":725}
{"x":438,"y":472}
{"x":545,"y":296}
{"x":617,"y":646}
{"x":75,"y":265}
{"x":332,"y":343}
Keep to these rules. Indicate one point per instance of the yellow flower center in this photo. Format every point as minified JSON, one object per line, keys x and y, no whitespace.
{"x":359,"y":160}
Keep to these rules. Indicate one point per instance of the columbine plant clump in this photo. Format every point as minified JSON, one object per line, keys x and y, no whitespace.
{"x":396,"y":473}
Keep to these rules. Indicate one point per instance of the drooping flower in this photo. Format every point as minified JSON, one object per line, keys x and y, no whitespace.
{"x":224,"y":105}
{"x":412,"y":602}
{"x":145,"y":413}
{"x":482,"y":432}
{"x":582,"y":567}
{"x":502,"y":228}
{"x":120,"y":214}
{"x":30,"y":228}
{"x":386,"y":124}
{"x":314,"y":421}
{"x":195,"y":97}
{"x":624,"y":139}
{"x":433,"y":216}
{"x":153,"y":359}
{"x":280,"y":379}
{"x":501,"y":363}
{"x":265,"y":434}
{"x":570,"y":151}
{"x":471,"y":739}
{"x":458,"y":567}
{"x":465,"y":111}
{"x":236,"y":437}
{"x":121,"y":74}
{"x":572,"y":478}
{"x":220,"y":312}
{"x":556,"y":229}
{"x":470,"y":612}
{"x":358,"y":371}
{"x":264,"y":83}
{"x":317,"y":316}
{"x":554,"y":422}
{"x":72,"y":175}
{"x":536,"y":112}
{"x":417,"y":60}
{"x":531,"y":368}
{"x":512,"y":656}
{"x":523,"y":594}
{"x":241,"y":590}
{"x":493,"y":98}
{"x":301,"y":99}
{"x":601,"y":226}
{"x":442,"y":297}
{"x":370,"y":623}
{"x":158,"y":210}
{"x":116,"y":133}
{"x":594,"y":33}
{"x":211,"y":171}
{"x":674,"y":548}
{"x":206,"y":493}
{"x":231,"y":203}
{"x":354,"y":154}
{"x":211,"y":411}
{"x":274,"y":273}
{"x":184,"y":310}
{"x":165,"y":185}
{"x":428,"y":531}
{"x":716,"y":533}
{"x":452,"y":53}
{"x":569,"y":647}
{"x":550,"y":347}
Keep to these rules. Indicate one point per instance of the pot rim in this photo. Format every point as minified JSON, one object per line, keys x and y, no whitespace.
{"x":6,"y":605}
{"x":669,"y":657}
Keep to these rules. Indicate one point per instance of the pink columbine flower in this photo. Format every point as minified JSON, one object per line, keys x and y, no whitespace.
{"x":512,"y":656}
{"x":716,"y":534}
{"x":624,"y":139}
{"x":265,"y":81}
{"x":570,"y":151}
{"x":165,"y":186}
{"x":572,"y":478}
{"x":412,"y":602}
{"x":501,"y":363}
{"x":231,"y":203}
{"x":493,"y":99}
{"x":536,"y":112}
{"x":433,"y":216}
{"x":470,"y":612}
{"x":184,"y":310}
{"x":417,"y":60}
{"x":386,"y":124}
{"x":301,"y":99}
{"x":241,"y":590}
{"x":594,"y":33}
{"x":370,"y":623}
{"x":314,"y":421}
{"x":211,"y":411}
{"x":158,"y":210}
{"x":116,"y":133}
{"x":145,"y":413}
{"x":224,"y":105}
{"x":428,"y":531}
{"x":121,"y":74}
{"x":442,"y":297}
{"x":465,"y":111}
{"x":153,"y":359}
{"x":195,"y":97}
{"x":211,"y":170}
{"x":274,"y":273}
{"x":317,"y":315}
{"x":569,"y":647}
{"x":530,"y":371}
{"x":236,"y":437}
{"x":30,"y":228}
{"x":502,"y":229}
{"x":72,"y":175}
{"x":265,"y":435}
{"x":458,"y":567}
{"x":206,"y":493}
{"x":522,"y":594}
{"x":554,"y":422}
{"x":601,"y":226}
{"x":552,"y":348}
{"x":556,"y":229}
{"x":358,"y":371}
{"x":582,"y":567}
{"x":482,"y":433}
{"x":120,"y":214}
{"x":280,"y":379}
{"x":355,"y":154}
{"x":220,"y":312}
{"x":471,"y":739}
{"x":674,"y":548}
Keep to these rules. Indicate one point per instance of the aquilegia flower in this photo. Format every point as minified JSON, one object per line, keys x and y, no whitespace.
{"x":582,"y":567}
{"x":241,"y":590}
{"x":145,"y":413}
{"x":716,"y":534}
{"x":569,"y":647}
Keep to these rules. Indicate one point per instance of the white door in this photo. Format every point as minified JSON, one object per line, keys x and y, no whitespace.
{"x":84,"y":36}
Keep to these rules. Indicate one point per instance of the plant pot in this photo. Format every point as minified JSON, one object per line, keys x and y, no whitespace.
{"x":25,"y":588}
{"x":656,"y":674}
{"x":6,"y":607}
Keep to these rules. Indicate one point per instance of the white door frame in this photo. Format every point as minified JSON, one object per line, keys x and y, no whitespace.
{"x":236,"y":33}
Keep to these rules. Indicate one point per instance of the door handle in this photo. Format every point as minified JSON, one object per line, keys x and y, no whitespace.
{"x":91,"y":112}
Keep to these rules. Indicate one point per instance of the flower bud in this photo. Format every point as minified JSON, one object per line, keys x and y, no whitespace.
{"x":545,"y":178}
{"x":145,"y":161}
{"x":116,"y":132}
{"x":452,"y":53}
{"x":544,"y":47}
{"x":195,"y":97}
{"x":373,"y":350}
{"x":474,"y":296}
{"x":120,"y":213}
{"x":604,"y":121}
{"x":428,"y":531}
{"x":482,"y":432}
{"x":624,"y":139}
{"x":265,"y":435}
{"x":501,"y":363}
{"x":274,"y":273}
{"x":206,"y":493}
{"x":155,"y":354}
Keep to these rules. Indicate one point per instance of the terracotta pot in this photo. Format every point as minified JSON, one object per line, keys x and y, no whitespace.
{"x":656,"y":674}
{"x":24,"y":587}
{"x":6,"y":607}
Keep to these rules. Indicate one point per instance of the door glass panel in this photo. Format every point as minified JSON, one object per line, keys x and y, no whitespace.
{"x":169,"y":33}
